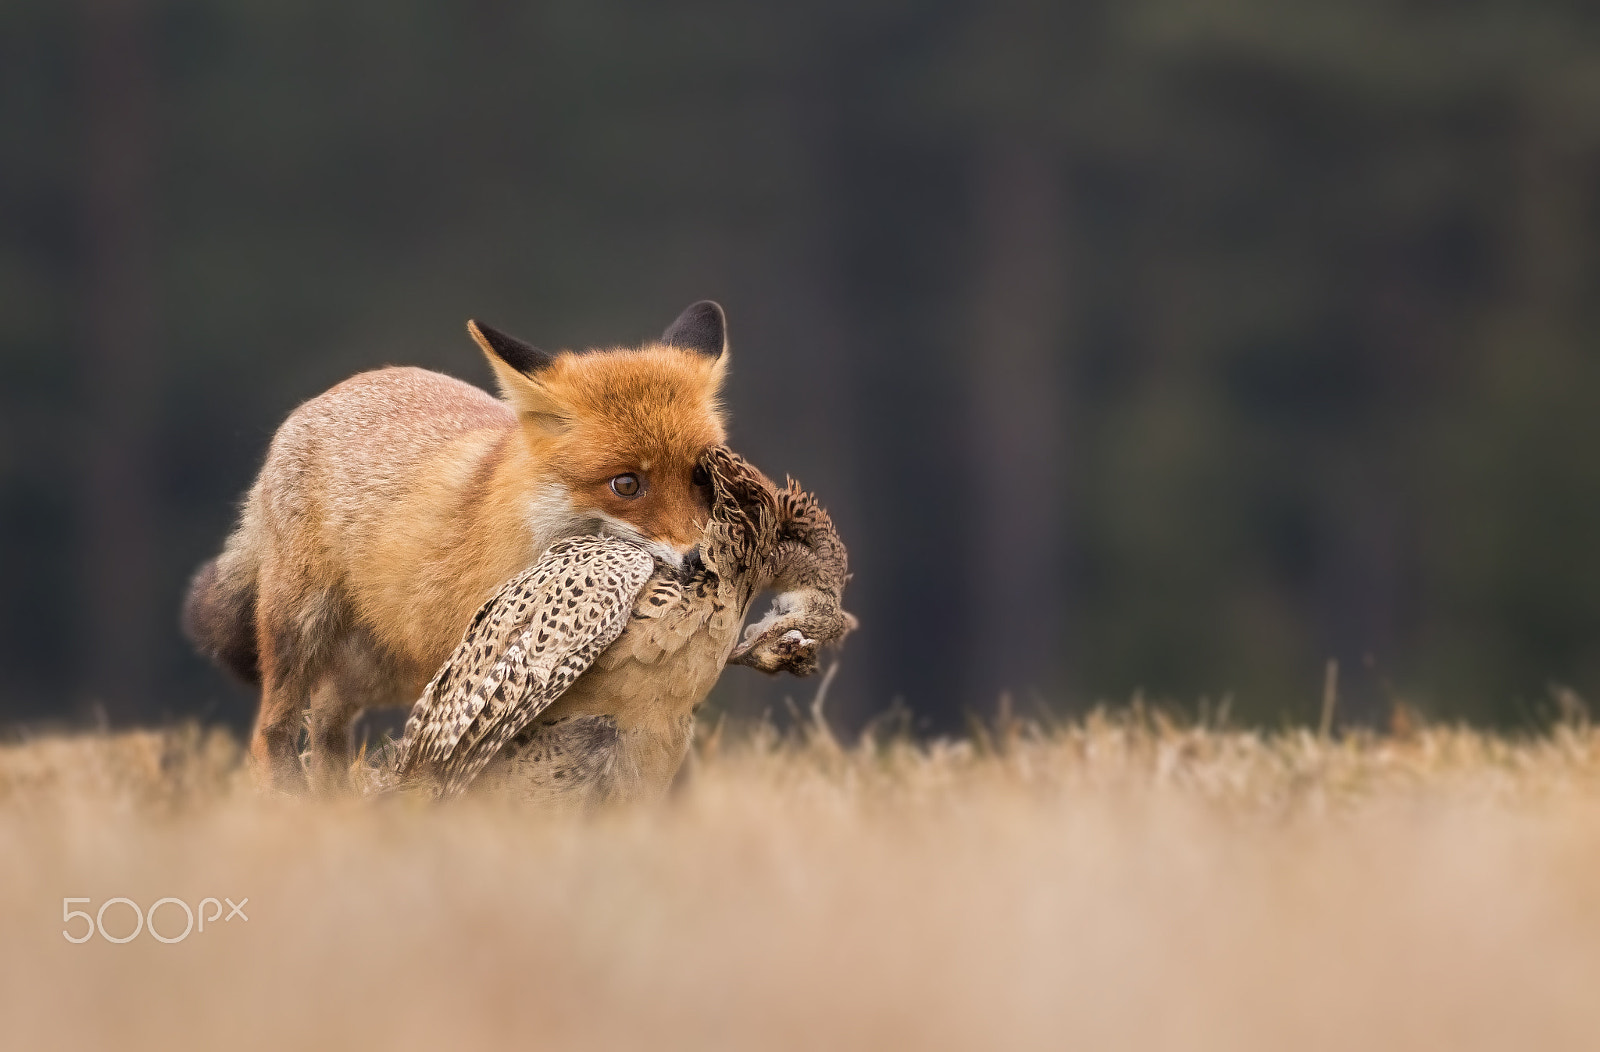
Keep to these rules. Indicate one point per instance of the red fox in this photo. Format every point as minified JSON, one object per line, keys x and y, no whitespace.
{"x":390,"y":507}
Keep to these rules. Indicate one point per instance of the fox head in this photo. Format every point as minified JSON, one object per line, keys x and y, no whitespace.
{"x":622,"y":430}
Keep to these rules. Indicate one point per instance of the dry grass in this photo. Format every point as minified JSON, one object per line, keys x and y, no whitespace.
{"x":1119,"y":883}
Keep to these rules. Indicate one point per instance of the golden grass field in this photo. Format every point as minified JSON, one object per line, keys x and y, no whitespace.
{"x":1120,"y":882}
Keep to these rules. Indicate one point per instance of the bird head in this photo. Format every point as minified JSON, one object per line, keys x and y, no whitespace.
{"x":741,"y":535}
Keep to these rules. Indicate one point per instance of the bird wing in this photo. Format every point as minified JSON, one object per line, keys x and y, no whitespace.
{"x":666,"y":612}
{"x":524,"y":648}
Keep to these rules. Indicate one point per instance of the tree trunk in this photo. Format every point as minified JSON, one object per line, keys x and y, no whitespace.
{"x":119,"y":379}
{"x":1016,"y":487}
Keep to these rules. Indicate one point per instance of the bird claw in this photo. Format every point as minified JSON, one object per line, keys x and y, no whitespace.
{"x":779,"y":650}
{"x":794,"y":639}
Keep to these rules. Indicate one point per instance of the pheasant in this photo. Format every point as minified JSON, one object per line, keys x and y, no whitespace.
{"x":579,"y":678}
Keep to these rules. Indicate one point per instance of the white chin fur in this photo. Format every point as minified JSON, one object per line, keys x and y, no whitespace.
{"x":660,"y":549}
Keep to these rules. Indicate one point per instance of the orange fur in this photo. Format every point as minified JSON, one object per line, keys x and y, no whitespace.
{"x":652,"y":411}
{"x":392,"y":506}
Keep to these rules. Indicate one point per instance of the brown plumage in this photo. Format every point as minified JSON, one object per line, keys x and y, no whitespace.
{"x":807,"y":562}
{"x":580,"y":677}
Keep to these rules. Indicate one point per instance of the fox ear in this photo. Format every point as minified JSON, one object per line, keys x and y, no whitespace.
{"x":523,"y":357}
{"x":516,"y":366}
{"x":702,"y":327}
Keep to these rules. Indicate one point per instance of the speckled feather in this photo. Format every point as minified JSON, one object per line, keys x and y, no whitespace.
{"x":524,"y":648}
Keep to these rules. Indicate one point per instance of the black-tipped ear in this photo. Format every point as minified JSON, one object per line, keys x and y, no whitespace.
{"x":701,"y":327}
{"x":523,"y":357}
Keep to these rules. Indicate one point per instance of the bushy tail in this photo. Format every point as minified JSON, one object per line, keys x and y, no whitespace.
{"x":219,"y":614}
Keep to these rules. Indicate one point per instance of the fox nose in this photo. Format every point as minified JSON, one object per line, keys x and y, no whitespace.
{"x":692,"y":563}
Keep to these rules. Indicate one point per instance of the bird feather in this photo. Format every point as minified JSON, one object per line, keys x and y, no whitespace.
{"x":524,"y":648}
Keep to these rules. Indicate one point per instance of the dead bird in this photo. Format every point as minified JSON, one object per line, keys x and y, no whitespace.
{"x":579,"y":678}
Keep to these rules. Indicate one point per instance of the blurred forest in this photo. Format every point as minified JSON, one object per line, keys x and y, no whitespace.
{"x":1164,"y":345}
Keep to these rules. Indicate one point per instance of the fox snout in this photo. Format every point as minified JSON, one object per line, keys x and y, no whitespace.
{"x":684,"y":559}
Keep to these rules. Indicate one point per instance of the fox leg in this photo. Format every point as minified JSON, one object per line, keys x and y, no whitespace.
{"x":360,"y":676}
{"x":274,"y":751}
{"x":328,"y":762}
{"x":294,"y":646}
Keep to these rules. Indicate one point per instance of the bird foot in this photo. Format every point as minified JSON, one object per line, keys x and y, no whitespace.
{"x":779,"y":650}
{"x":790,"y":635}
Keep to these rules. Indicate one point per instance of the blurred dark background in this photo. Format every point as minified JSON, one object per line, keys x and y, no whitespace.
{"x":1164,"y":345}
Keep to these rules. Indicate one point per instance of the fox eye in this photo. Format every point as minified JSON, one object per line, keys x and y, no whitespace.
{"x":701,"y":476}
{"x":625,"y":485}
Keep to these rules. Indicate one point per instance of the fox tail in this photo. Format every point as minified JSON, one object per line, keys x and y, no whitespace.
{"x":219,"y":613}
